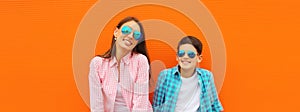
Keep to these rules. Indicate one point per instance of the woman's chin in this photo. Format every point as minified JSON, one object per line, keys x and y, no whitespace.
{"x":126,"y":47}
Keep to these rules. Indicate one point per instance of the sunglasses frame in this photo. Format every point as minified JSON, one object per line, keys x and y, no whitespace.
{"x":135,"y":33}
{"x":190,"y":54}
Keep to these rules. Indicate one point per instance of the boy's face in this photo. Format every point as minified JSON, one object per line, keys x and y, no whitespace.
{"x":187,"y":57}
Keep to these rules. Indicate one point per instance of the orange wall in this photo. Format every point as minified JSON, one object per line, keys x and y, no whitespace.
{"x":261,"y":39}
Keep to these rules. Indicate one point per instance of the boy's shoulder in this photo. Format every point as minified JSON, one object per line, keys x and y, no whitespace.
{"x":204,"y":73}
{"x":169,"y":71}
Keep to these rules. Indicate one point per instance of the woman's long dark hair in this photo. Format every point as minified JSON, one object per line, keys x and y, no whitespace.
{"x":139,"y":48}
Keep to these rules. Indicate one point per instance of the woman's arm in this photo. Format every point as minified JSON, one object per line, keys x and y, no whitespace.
{"x":96,"y":97}
{"x":141,"y":101}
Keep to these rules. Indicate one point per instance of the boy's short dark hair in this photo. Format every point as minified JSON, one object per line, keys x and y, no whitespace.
{"x":193,"y":41}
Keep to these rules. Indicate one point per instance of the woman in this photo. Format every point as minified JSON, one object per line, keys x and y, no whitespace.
{"x":185,"y":87}
{"x":119,"y":78}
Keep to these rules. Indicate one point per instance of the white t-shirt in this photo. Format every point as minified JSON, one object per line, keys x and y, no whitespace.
{"x":120,"y":104}
{"x":189,"y":95}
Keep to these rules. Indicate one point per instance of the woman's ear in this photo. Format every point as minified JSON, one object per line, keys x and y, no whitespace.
{"x":116,"y":34}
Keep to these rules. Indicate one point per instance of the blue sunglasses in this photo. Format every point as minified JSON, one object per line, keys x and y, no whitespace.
{"x":181,"y":53}
{"x":126,"y":30}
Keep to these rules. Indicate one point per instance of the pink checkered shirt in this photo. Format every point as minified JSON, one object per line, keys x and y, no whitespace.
{"x":134,"y":81}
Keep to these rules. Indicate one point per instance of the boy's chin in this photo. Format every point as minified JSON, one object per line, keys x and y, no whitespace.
{"x":186,"y":67}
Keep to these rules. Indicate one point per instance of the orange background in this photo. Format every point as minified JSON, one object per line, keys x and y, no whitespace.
{"x":261,"y":39}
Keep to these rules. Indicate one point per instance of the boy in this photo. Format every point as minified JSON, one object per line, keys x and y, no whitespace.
{"x":185,"y":87}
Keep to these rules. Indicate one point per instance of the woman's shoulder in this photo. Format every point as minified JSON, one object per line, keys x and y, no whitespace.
{"x":98,"y":59}
{"x":139,"y":57}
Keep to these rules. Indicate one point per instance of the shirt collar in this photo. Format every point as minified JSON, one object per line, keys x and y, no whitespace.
{"x":176,"y":70}
{"x":125,"y":59}
{"x":198,"y":70}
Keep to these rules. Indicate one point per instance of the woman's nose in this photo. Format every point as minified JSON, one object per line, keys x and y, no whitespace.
{"x":130,"y":35}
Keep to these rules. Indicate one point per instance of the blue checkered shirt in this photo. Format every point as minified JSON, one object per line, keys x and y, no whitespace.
{"x":168,"y":86}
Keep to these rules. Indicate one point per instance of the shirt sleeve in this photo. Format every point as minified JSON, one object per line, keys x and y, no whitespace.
{"x":159,"y":93}
{"x":141,"y":101}
{"x":216,"y":104}
{"x":96,"y":96}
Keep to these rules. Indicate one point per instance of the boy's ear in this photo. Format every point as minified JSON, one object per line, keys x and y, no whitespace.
{"x":199,"y":58}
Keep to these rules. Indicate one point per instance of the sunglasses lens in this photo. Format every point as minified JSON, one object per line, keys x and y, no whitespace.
{"x":180,"y":53}
{"x":126,"y":30}
{"x":191,"y":54}
{"x":137,"y":35}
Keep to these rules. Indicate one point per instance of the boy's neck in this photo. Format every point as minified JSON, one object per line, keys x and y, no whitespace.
{"x":187,"y":73}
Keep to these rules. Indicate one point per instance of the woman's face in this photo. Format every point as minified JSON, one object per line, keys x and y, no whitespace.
{"x":128,"y":35}
{"x":187,"y":57}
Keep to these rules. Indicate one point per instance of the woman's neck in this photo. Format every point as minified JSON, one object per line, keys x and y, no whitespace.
{"x":120,"y":53}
